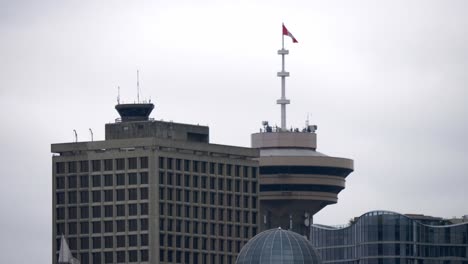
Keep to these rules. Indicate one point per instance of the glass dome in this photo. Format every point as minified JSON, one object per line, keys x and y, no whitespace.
{"x":278,"y":246}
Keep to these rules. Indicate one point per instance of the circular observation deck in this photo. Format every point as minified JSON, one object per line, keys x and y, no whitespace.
{"x":294,"y":177}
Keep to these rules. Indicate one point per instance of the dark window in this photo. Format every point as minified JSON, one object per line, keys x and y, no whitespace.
{"x":169,"y":178}
{"x":71,"y":167}
{"x":72,"y":197}
{"x":161,"y":177}
{"x":120,"y":194}
{"x":84,"y":197}
{"x":212,"y":168}
{"x":169,"y":163}
{"x":132,"y":194}
{"x":144,"y":255}
{"x":132,"y":209}
{"x":143,"y":193}
{"x":96,"y":196}
{"x":60,"y":228}
{"x":144,"y":178}
{"x":108,"y":180}
{"x":343,"y":172}
{"x":72,"y":231}
{"x":237,"y":170}
{"x":186,"y":165}
{"x":84,"y":212}
{"x":246,"y":187}
{"x":144,"y":239}
{"x":60,"y":197}
{"x":108,"y":196}
{"x":120,"y":179}
{"x":229,"y":169}
{"x":60,"y":183}
{"x":161,"y":162}
{"x":132,"y":225}
{"x":84,"y":243}
{"x":120,"y":241}
{"x":84,"y":167}
{"x":120,"y":164}
{"x":109,"y":257}
{"x":108,"y":211}
{"x":120,"y":208}
{"x":132,"y":179}
{"x":108,"y":242}
{"x":97,"y":257}
{"x":203,"y":167}
{"x":84,"y":182}
{"x":254,"y":172}
{"x":96,"y":227}
{"x":132,"y":256}
{"x":132,"y":163}
{"x":60,"y":167}
{"x":60,"y":213}
{"x":96,"y":180}
{"x":108,"y":226}
{"x":144,"y":209}
{"x":72,"y":181}
{"x":96,"y":165}
{"x":178,"y":164}
{"x":84,"y":227}
{"x":108,"y":165}
{"x":121,"y":257}
{"x":132,"y":240}
{"x":72,"y":212}
{"x":120,"y":224}
{"x":96,"y":243}
{"x":96,"y":211}
{"x":195,"y":181}
{"x":144,"y":224}
{"x":144,"y":162}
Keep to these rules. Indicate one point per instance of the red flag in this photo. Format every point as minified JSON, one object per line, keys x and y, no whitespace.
{"x":287,"y":33}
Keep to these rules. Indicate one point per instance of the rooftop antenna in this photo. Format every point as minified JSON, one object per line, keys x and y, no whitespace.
{"x":76,"y":135}
{"x":118,"y":94}
{"x":307,"y":120}
{"x":283,"y":74}
{"x":138,"y":86}
{"x":91,"y":132}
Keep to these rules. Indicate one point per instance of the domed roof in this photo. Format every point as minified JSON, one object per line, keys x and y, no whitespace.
{"x":278,"y":246}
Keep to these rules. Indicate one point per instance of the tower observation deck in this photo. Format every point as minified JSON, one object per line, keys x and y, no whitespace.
{"x":296,"y":181}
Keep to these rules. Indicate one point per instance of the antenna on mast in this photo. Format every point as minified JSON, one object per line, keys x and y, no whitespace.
{"x":138,"y":86}
{"x":118,"y":94}
{"x":76,"y":135}
{"x":92,"y":135}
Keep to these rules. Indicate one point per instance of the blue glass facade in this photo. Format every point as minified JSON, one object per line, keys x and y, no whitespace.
{"x":385,"y":237}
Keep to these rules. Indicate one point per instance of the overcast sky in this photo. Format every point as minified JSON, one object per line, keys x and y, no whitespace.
{"x":385,"y":81}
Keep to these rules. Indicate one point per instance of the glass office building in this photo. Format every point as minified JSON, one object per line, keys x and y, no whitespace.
{"x":388,"y":237}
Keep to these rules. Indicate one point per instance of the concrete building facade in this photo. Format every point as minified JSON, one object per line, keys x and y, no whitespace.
{"x":154,"y":192}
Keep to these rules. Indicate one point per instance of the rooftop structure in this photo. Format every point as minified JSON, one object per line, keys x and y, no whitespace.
{"x":388,"y":237}
{"x":296,"y":181}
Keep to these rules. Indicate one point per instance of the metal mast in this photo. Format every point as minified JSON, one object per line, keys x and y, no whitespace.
{"x":283,"y":74}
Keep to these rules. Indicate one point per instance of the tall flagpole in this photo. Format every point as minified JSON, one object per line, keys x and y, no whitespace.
{"x":283,"y":74}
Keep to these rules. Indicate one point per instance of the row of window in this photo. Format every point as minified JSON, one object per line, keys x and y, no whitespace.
{"x":101,"y":196}
{"x":211,"y":213}
{"x":98,"y":211}
{"x":207,"y":167}
{"x":206,"y":182}
{"x":106,"y":242}
{"x":107,"y":180}
{"x":98,"y":227}
{"x":99,"y":165}
{"x":120,"y":256}
{"x":204,"y":228}
{"x":211,"y":198}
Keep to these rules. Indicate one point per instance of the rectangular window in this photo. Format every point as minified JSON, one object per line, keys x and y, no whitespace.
{"x":120,"y":179}
{"x":144,"y":162}
{"x":60,"y":198}
{"x":121,"y":256}
{"x":120,"y":241}
{"x":212,"y":168}
{"x":120,"y":164}
{"x":120,"y":208}
{"x":84,"y":243}
{"x":169,"y":163}
{"x":144,"y":178}
{"x":108,"y":226}
{"x":178,"y":164}
{"x":60,"y":167}
{"x":72,"y":211}
{"x":161,"y":162}
{"x":84,"y":167}
{"x":84,"y":182}
{"x":132,"y":179}
{"x":72,"y":197}
{"x":132,"y":225}
{"x":132,"y":240}
{"x":84,"y":227}
{"x":143,"y":193}
{"x":195,"y":166}
{"x":132,"y":194}
{"x":132,"y":209}
{"x":144,"y":224}
{"x":96,"y":227}
{"x":132,"y":163}
{"x":96,"y":196}
{"x":96,"y":180}
{"x":60,"y":213}
{"x":96,"y":211}
{"x":237,"y":170}
{"x":108,"y":196}
{"x":108,"y":180}
{"x":72,"y":231}
{"x":120,"y":224}
{"x":72,"y":181}
{"x":144,"y":239}
{"x":120,"y":194}
{"x":84,"y":212}
{"x":108,"y":165}
{"x":109,"y":242}
{"x":186,"y":165}
{"x":108,"y":211}
{"x":144,"y":209}
{"x":109,"y":257}
{"x":96,"y":165}
{"x":229,"y":169}
{"x":60,"y":183}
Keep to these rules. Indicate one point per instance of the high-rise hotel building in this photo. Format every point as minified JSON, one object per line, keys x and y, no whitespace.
{"x":154,"y":192}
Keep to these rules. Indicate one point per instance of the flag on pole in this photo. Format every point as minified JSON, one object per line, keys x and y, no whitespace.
{"x":287,"y":33}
